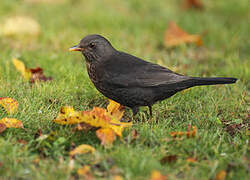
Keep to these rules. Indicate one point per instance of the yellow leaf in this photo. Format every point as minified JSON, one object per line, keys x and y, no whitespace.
{"x":11,"y":123}
{"x":98,"y":117}
{"x":85,"y":172}
{"x":175,"y":36}
{"x":19,"y":26}
{"x":106,"y":135}
{"x":117,"y":177}
{"x":19,"y":65}
{"x":68,"y":115}
{"x":115,"y":109}
{"x":156,"y":175}
{"x":9,"y":104}
{"x":221,"y":175}
{"x":82,"y":149}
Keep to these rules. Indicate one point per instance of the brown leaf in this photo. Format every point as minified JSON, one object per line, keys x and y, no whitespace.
{"x":82,"y":149}
{"x":83,"y":127}
{"x":221,"y":175}
{"x":21,"y":141}
{"x":156,"y":175}
{"x":2,"y":127}
{"x":9,"y":104}
{"x":188,"y":133}
{"x":169,"y":159}
{"x":37,"y":75}
{"x":191,"y":160}
{"x":106,"y":135}
{"x":197,"y":4}
{"x":175,"y":36}
{"x":33,"y":74}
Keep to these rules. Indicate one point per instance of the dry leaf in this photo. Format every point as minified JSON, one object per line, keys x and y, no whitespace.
{"x":115,"y":109}
{"x":2,"y":127}
{"x":117,"y":177}
{"x":19,"y":26}
{"x":82,"y":149}
{"x":106,"y":135}
{"x":156,"y":175}
{"x":175,"y":36}
{"x":19,"y":65}
{"x":37,"y":75}
{"x":190,"y":159}
{"x":9,"y":104}
{"x":169,"y":159}
{"x":108,"y":120}
{"x":33,"y":74}
{"x":83,"y":127}
{"x":221,"y":175}
{"x":98,"y":117}
{"x":188,"y":133}
{"x":193,"y":4}
{"x":85,"y":172}
{"x":11,"y":123}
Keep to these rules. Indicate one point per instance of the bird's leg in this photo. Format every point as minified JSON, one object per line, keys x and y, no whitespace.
{"x":150,"y":111}
{"x":135,"y":110}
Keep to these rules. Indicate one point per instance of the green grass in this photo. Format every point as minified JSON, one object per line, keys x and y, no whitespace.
{"x":136,"y":27}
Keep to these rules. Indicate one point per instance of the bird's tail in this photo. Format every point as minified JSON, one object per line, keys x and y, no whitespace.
{"x":199,"y":81}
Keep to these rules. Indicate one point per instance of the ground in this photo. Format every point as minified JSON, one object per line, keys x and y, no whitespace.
{"x":220,"y":113}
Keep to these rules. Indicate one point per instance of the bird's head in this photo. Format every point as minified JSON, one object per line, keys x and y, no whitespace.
{"x":94,"y":48}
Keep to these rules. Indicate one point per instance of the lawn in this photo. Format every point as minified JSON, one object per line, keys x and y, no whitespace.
{"x":220,"y":113}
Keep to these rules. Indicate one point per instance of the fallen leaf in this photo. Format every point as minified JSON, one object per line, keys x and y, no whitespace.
{"x":19,"y":65}
{"x":82,"y":149}
{"x":197,"y":4}
{"x":117,"y":177}
{"x":21,"y":141}
{"x":85,"y":172}
{"x":36,"y":160}
{"x":37,"y":75}
{"x":115,"y":109}
{"x":191,"y":160}
{"x":189,"y":133}
{"x":221,"y":175}
{"x":169,"y":159}
{"x":106,"y":135}
{"x":32,"y":74}
{"x":11,"y":123}
{"x":106,"y":119}
{"x":2,"y":127}
{"x":20,"y":26}
{"x":98,"y":117}
{"x":175,"y":36}
{"x":83,"y":127}
{"x":9,"y":104}
{"x":156,"y":175}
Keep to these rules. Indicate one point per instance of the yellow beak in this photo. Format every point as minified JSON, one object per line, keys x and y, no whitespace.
{"x":75,"y":48}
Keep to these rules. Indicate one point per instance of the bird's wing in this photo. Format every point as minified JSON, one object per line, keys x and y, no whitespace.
{"x":125,"y":70}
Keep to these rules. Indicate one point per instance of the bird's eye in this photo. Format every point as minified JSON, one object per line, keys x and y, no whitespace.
{"x":92,"y":45}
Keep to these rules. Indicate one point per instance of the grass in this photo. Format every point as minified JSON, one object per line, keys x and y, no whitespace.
{"x":136,"y":27}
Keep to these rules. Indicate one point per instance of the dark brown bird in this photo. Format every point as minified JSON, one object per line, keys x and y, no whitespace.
{"x":132,"y":81}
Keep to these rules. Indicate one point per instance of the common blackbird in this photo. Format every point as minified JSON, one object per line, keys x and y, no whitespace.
{"x":130,"y":80}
